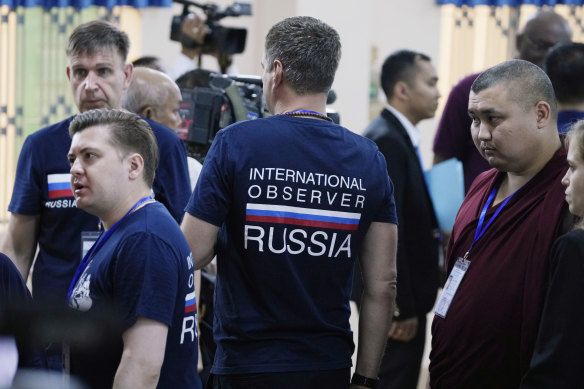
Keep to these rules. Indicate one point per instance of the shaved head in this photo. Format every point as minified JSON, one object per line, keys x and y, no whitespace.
{"x":542,"y":31}
{"x":526,"y":83}
{"x":154,"y":95}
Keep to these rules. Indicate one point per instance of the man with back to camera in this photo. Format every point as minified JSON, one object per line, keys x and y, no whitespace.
{"x":153,"y":95}
{"x":487,"y":317}
{"x":409,"y":81}
{"x":141,"y":266}
{"x":43,"y":208}
{"x":453,"y":139}
{"x":291,"y":200}
{"x":564,"y":65}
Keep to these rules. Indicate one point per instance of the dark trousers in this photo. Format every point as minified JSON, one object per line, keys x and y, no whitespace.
{"x":326,"y":379}
{"x":400,"y":367}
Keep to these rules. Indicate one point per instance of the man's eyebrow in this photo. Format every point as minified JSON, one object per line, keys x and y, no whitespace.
{"x":99,"y":64}
{"x":83,"y":150}
{"x":485,"y":111}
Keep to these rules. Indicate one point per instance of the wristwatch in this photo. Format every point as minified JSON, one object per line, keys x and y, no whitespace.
{"x":367,"y":382}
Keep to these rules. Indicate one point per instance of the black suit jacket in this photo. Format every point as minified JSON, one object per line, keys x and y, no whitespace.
{"x":417,"y":253}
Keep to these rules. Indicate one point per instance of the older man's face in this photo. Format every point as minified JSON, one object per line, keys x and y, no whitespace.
{"x":168,"y":112}
{"x":98,"y":80}
{"x":504,"y":131}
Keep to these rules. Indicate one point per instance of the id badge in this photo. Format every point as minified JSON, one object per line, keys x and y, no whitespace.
{"x":88,"y":238}
{"x":452,"y":283}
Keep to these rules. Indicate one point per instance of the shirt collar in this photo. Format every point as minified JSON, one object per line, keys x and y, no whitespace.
{"x":414,"y":134}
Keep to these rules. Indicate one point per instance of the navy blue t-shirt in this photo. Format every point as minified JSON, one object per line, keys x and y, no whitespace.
{"x":14,"y":293}
{"x":144,"y":269}
{"x":294,"y":198}
{"x":42,"y":187}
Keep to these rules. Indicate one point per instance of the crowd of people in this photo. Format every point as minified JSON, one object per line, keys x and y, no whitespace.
{"x":119,"y":221}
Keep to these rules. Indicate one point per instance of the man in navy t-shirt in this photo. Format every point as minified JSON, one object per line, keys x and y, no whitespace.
{"x":43,"y":209}
{"x":291,"y":201}
{"x":140,"y":268}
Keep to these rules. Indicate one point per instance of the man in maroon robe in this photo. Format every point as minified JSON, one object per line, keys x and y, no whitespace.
{"x":483,"y":336}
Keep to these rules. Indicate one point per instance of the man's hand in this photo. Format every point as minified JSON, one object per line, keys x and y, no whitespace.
{"x":404,"y":330}
{"x":194,"y":26}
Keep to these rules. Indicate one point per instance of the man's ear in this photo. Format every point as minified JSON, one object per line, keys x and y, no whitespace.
{"x":68,"y":72}
{"x":128,"y":72}
{"x":278,"y":70}
{"x":135,"y":166}
{"x":400,"y":90}
{"x":147,"y":112}
{"x":519,"y":41}
{"x":543,"y":112}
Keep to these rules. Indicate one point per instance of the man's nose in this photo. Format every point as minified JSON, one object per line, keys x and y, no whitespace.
{"x":91,"y":81}
{"x":566,"y":178}
{"x":484,"y":132}
{"x":76,"y":168}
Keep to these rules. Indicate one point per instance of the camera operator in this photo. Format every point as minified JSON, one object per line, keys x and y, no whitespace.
{"x":195,"y":27}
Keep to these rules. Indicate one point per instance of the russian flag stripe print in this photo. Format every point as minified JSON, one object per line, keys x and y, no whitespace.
{"x":302,"y":216}
{"x":190,"y":302}
{"x":59,"y":185}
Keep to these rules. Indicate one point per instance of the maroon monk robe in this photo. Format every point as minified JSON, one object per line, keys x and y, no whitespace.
{"x":487,"y":337}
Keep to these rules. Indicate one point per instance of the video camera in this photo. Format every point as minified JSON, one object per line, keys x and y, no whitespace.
{"x":212,"y":101}
{"x":219,"y":39}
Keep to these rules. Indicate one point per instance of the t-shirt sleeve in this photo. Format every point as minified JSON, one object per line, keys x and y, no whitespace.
{"x":454,"y":127}
{"x":146,"y":279}
{"x":387,"y":212}
{"x":211,"y":198}
{"x":172,"y":184}
{"x":27,"y":193}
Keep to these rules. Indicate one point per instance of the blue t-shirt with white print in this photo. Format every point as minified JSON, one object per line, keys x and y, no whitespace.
{"x":42,"y":187}
{"x":144,"y":269}
{"x":294,"y":198}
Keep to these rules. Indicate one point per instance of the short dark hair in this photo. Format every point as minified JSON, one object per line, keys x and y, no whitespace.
{"x":309,"y":50}
{"x":146,"y":61}
{"x":194,"y":78}
{"x":129,"y":132}
{"x":527,"y":84}
{"x":399,"y":66}
{"x":564,"y":65}
{"x":90,"y":37}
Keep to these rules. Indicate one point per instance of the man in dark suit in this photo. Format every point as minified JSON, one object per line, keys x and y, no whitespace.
{"x":409,"y":82}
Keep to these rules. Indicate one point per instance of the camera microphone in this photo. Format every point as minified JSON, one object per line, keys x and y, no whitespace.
{"x":331,"y":97}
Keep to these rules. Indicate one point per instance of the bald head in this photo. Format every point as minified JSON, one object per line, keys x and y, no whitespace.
{"x":154,"y":95}
{"x":541,"y":32}
{"x":513,"y":111}
{"x":525,"y":83}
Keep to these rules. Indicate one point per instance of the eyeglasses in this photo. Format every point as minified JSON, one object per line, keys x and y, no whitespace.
{"x":538,"y":44}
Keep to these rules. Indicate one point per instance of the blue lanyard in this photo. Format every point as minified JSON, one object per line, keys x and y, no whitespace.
{"x":103,"y":237}
{"x":480,"y":230}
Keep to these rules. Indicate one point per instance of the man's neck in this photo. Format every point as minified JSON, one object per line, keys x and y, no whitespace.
{"x":310,"y":102}
{"x":115,"y":214}
{"x":403,"y":109}
{"x":513,"y":181}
